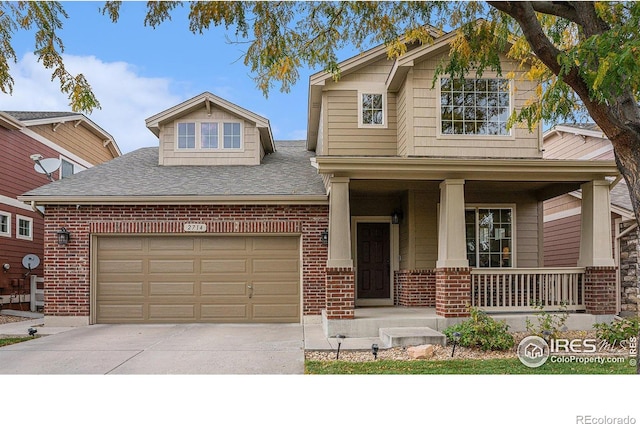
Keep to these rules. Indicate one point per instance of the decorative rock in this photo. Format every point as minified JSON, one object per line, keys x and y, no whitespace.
{"x":421,"y":352}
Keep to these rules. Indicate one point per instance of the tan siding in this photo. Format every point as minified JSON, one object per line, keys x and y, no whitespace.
{"x":78,"y":140}
{"x":426,"y":229}
{"x":248,"y":155}
{"x":427,"y":141}
{"x":343,"y":135}
{"x":574,"y":146}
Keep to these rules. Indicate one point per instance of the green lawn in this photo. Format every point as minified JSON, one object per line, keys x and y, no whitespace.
{"x":471,"y":366}
{"x":12,"y":340}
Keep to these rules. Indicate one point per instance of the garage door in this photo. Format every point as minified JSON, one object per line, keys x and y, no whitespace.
{"x":197,"y":279}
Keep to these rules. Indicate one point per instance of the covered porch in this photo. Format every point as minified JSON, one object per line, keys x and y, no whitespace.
{"x":447,"y":234}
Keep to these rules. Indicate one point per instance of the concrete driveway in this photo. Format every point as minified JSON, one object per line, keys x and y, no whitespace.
{"x":161,"y":349}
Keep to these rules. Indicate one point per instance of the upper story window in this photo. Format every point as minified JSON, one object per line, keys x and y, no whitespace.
{"x":371,"y":108}
{"x":207,"y":135}
{"x":490,"y":240}
{"x":477,"y":106}
{"x":66,"y":169}
{"x":5,"y":224}
{"x":24,"y":227}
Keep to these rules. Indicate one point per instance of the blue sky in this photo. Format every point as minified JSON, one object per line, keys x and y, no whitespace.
{"x":138,"y":71}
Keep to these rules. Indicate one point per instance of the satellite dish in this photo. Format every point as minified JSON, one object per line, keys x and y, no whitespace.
{"x":47,"y":166}
{"x":30,"y":261}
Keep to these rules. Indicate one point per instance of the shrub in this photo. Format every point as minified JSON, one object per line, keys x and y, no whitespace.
{"x":482,"y":331}
{"x":618,"y":330}
{"x":549,"y":325}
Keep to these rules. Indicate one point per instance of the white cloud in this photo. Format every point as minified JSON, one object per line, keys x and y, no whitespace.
{"x":126,"y":98}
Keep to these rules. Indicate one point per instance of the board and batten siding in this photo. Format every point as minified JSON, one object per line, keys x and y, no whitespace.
{"x":428,"y":141}
{"x":249,"y":154}
{"x":78,"y":140}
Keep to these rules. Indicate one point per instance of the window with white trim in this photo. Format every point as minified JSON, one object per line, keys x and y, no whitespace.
{"x":5,"y":224}
{"x":371,"y":109}
{"x":24,"y":227}
{"x":206,"y":135}
{"x":475,"y":106}
{"x":489,"y":237}
{"x":66,"y":169}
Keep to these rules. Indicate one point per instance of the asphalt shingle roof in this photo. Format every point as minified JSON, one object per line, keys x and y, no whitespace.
{"x":620,"y":196}
{"x":32,"y":116}
{"x":288,"y":171}
{"x":589,"y":126}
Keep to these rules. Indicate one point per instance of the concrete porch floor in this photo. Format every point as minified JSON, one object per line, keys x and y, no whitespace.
{"x":364,"y":329}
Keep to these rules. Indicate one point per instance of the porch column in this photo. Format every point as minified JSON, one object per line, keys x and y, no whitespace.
{"x":453,"y":276}
{"x":340,"y":282}
{"x":596,"y":254}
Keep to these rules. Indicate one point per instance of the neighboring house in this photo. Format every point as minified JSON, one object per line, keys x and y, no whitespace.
{"x":71,"y":138}
{"x":562,"y":214}
{"x":403,"y":195}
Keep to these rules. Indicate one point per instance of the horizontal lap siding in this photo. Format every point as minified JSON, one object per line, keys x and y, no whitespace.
{"x":562,"y":242}
{"x":574,"y":146}
{"x":78,"y":140}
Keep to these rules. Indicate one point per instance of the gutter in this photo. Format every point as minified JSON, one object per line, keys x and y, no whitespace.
{"x":177,"y":200}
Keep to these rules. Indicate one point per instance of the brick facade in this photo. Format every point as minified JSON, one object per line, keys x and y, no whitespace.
{"x":453,"y":292}
{"x":415,"y":288}
{"x":341,"y":293}
{"x":628,"y":270}
{"x":68,"y":268}
{"x":600,"y":290}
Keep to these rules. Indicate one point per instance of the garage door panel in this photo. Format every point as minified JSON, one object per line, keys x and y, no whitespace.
{"x":120,"y":266}
{"x":124,"y":289}
{"x":224,"y":312}
{"x":167,"y":312}
{"x":172,"y":289}
{"x":175,"y":245}
{"x":224,"y":289}
{"x":223,"y":265}
{"x":117,"y":313}
{"x":168,"y":266}
{"x":198,"y":279}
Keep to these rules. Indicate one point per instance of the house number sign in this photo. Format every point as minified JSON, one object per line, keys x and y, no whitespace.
{"x":195,"y":228}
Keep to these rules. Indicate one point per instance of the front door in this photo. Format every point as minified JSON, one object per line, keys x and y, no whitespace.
{"x":373,"y":279}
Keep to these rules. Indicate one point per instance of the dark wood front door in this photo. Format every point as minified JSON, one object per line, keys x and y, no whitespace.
{"x":373,"y":261}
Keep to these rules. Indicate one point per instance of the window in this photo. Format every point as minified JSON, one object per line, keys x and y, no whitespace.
{"x":474,"y":106}
{"x":372,"y":109}
{"x":489,"y":233}
{"x":231,"y":135}
{"x":24,"y":227}
{"x":66,"y":169}
{"x":186,"y":135}
{"x":207,"y":135}
{"x":5,"y":224}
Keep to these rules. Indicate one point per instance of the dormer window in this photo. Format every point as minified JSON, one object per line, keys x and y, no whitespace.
{"x":206,"y":135}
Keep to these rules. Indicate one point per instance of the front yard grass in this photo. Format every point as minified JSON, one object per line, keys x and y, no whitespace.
{"x":5,"y":341}
{"x":463,"y":366}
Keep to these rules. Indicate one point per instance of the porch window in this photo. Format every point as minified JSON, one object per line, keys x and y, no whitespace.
{"x":489,"y":236}
{"x":479,"y":106}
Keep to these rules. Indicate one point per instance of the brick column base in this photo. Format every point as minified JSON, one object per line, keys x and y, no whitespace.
{"x":341,"y":293}
{"x":600,"y":290}
{"x":453,"y":292}
{"x":415,"y":288}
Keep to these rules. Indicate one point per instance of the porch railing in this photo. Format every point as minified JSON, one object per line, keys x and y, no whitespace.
{"x":518,"y":289}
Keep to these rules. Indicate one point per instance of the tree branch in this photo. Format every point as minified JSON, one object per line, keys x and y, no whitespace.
{"x":562,"y":9}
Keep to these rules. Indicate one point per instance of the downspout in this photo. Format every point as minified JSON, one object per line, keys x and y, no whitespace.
{"x":34,"y":206}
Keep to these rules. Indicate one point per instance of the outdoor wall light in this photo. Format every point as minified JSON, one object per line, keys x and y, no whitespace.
{"x":63,"y":236}
{"x":374,"y":351}
{"x":5,"y":267}
{"x":324,"y":236}
{"x":396,"y":216}
{"x":339,"y":339}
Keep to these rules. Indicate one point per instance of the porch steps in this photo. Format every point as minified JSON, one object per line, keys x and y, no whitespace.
{"x":411,"y":336}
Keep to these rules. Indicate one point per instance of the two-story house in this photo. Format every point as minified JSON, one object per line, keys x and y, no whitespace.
{"x":405,"y":194}
{"x":70,"y":140}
